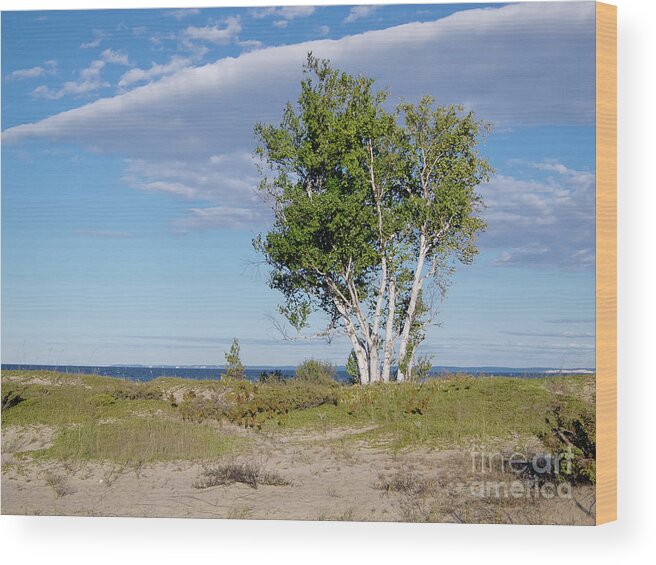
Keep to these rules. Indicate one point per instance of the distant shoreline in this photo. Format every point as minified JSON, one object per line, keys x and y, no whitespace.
{"x":206,"y":372}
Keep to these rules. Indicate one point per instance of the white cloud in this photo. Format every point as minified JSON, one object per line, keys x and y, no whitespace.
{"x":229,"y":178}
{"x":359,"y":13}
{"x":99,"y":37}
{"x":182,"y":13}
{"x":324,"y":30}
{"x":228,"y":181}
{"x":221,"y":217}
{"x":283,"y":15}
{"x":517,"y":65}
{"x":90,"y":81}
{"x":155,"y":71}
{"x":115,"y":57}
{"x":521,"y":64}
{"x":250,"y":44}
{"x":285,"y":12}
{"x":556,"y":218}
{"x":215,"y":34}
{"x":48,"y":68}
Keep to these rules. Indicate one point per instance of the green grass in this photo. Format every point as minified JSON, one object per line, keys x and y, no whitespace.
{"x":62,"y":403}
{"x":102,"y":417}
{"x":444,"y":412}
{"x":139,"y":440}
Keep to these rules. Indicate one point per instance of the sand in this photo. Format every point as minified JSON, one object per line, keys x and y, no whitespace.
{"x":330,"y":478}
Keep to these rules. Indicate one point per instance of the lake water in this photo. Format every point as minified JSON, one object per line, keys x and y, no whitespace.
{"x":145,"y":373}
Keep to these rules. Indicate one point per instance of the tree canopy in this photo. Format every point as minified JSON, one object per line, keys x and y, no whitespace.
{"x":372,"y":210}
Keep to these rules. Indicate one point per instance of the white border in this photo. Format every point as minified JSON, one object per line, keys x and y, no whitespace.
{"x":161,"y":541}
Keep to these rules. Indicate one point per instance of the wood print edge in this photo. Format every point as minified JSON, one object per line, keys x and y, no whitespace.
{"x":606,"y":256}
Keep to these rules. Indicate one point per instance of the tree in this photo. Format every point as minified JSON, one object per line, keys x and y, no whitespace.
{"x":372,"y":210}
{"x":234,"y":369}
{"x":352,"y":368}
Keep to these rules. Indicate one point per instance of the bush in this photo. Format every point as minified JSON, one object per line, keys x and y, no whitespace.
{"x":314,"y":371}
{"x":253,"y":404}
{"x":128,"y":390}
{"x":197,"y":408}
{"x":272,"y":377}
{"x":572,"y":428}
{"x":246,"y":473}
{"x":103,"y":399}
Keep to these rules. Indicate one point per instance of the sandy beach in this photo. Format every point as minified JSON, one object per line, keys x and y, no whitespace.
{"x":320,"y":475}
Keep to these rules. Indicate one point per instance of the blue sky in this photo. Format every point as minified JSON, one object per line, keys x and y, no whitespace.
{"x":128,"y":187}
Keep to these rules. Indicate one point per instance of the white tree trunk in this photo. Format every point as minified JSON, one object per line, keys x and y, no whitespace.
{"x":374,"y":364}
{"x":412,"y":306}
{"x":360,"y":352}
{"x":389,"y":333}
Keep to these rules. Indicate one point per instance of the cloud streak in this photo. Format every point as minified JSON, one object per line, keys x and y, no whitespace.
{"x":520,"y":64}
{"x":359,"y":13}
{"x":156,"y":71}
{"x":189,"y":132}
{"x":90,"y":81}
{"x":48,"y":68}
{"x":219,"y":35}
{"x":555,"y":217}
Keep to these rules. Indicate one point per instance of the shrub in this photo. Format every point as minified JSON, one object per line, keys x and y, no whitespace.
{"x":128,"y":390}
{"x":314,"y":371}
{"x":572,"y":427}
{"x":197,"y":408}
{"x":10,"y":399}
{"x":253,"y":404}
{"x":246,"y":473}
{"x":272,"y":377}
{"x":103,"y":399}
{"x":406,"y":482}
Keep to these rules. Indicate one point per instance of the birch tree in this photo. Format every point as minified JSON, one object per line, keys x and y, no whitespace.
{"x":372,"y":211}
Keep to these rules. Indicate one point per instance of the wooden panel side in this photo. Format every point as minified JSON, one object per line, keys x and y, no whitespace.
{"x":606,"y":238}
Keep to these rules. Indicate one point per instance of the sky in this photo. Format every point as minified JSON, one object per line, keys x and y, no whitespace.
{"x":129,"y":198}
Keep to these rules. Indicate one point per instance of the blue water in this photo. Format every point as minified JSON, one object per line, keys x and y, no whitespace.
{"x":142,"y":373}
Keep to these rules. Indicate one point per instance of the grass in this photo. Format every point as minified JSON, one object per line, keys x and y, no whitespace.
{"x":57,"y":399}
{"x":108,"y":418}
{"x":442,"y":412}
{"x":139,"y":440}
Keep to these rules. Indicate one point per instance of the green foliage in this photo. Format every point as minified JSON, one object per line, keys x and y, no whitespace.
{"x":272,"y":377}
{"x":200,"y":407}
{"x":572,"y":431}
{"x":320,"y":189}
{"x":440,"y":412}
{"x":315,"y":371}
{"x":234,"y":369}
{"x":352,"y":368}
{"x":253,"y":405}
{"x":128,"y":390}
{"x":65,"y":399}
{"x":422,"y":367}
{"x":102,"y":399}
{"x":359,"y":193}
